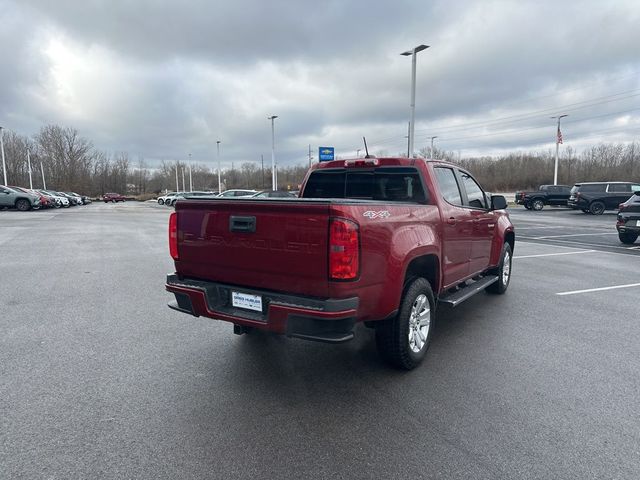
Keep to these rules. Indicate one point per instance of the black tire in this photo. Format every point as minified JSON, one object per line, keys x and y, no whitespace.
{"x":504,"y":274}
{"x":23,"y":204}
{"x":537,"y":205}
{"x":627,"y":238}
{"x":597,"y":208}
{"x":160,"y":201}
{"x":394,"y":337}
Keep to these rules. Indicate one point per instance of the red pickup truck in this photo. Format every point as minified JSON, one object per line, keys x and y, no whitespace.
{"x":375,"y":240}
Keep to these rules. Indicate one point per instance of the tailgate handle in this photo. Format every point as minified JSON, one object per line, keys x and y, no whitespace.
{"x":242,"y":224}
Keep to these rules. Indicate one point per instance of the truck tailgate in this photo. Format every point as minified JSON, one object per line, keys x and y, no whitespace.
{"x":278,"y":245}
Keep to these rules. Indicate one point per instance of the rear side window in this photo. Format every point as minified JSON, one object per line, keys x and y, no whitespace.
{"x":448,"y":185}
{"x":619,"y":187}
{"x":635,"y":188}
{"x":386,"y":184}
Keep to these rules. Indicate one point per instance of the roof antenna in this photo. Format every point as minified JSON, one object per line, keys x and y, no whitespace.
{"x":365,"y":148}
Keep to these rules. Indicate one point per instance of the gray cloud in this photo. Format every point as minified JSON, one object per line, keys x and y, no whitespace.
{"x":163,"y":79}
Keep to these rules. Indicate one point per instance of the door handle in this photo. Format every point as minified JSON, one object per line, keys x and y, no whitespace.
{"x":451,"y":221}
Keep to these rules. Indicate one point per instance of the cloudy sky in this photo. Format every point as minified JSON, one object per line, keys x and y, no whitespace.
{"x":164,"y":79}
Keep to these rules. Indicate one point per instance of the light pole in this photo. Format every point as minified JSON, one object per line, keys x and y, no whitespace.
{"x":558,"y":142}
{"x":219,"y":178}
{"x":44,"y":184}
{"x":177,"y":184}
{"x":432,"y":139}
{"x":184,"y":188}
{"x":274,"y":173}
{"x":190,"y":177}
{"x":4,"y":165}
{"x":29,"y":166}
{"x":413,"y":53}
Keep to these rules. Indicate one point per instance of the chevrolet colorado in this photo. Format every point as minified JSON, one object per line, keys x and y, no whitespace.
{"x":377,"y":240}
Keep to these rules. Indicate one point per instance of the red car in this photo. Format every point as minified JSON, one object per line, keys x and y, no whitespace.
{"x":378,"y":241}
{"x":113,"y":197}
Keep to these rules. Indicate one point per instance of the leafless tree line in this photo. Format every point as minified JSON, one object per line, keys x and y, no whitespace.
{"x":71,"y":163}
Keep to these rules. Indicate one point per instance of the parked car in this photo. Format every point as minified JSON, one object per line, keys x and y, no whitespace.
{"x":162,"y":199}
{"x":545,"y":195}
{"x":82,"y":200}
{"x":274,"y":194}
{"x":596,"y":197}
{"x":628,"y":224}
{"x":196,"y":194}
{"x":113,"y":197}
{"x":378,"y":241}
{"x":73,"y":201}
{"x":44,"y":201}
{"x":17,"y":199}
{"x":238,"y":193}
{"x":61,"y":200}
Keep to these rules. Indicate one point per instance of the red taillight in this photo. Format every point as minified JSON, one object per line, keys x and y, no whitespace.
{"x":173,"y":235}
{"x":344,"y":249}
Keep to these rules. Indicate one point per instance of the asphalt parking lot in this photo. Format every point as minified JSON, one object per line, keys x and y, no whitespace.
{"x":99,"y":379}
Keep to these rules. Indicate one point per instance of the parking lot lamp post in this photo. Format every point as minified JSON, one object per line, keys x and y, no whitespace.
{"x":4,"y":165}
{"x":432,"y":139}
{"x":413,"y":53}
{"x":219,"y":178}
{"x":558,"y":142}
{"x":190,"y":177}
{"x":44,"y":184}
{"x":274,"y":173}
{"x":29,"y":166}
{"x":184,"y":186}
{"x":177,"y":184}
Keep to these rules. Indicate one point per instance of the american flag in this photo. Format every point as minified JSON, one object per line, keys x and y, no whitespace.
{"x":559,"y":139}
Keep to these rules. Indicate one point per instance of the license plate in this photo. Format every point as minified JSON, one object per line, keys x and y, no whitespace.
{"x":247,"y":301}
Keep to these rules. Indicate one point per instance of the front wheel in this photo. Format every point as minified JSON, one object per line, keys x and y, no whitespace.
{"x":160,"y":201}
{"x":503,"y":271}
{"x":627,"y":237}
{"x":404,"y":340}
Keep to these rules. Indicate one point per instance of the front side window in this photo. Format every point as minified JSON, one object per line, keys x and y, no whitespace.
{"x":448,"y":184}
{"x":475,"y":195}
{"x":635,"y":188}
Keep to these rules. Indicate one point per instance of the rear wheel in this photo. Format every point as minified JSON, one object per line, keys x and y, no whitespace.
{"x":160,"y":201}
{"x":404,"y":340}
{"x":596,"y":208}
{"x":627,"y":237}
{"x":537,"y":205}
{"x":23,"y":205}
{"x":503,"y":271}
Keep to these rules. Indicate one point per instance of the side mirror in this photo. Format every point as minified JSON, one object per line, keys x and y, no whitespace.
{"x":498,"y":202}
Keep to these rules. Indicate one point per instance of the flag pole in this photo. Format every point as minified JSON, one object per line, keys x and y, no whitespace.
{"x":558,"y":142}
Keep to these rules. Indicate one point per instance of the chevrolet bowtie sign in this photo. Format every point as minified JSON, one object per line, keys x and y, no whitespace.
{"x":326,"y":153}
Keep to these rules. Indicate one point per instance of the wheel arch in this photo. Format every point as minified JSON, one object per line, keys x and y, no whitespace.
{"x":426,"y":266}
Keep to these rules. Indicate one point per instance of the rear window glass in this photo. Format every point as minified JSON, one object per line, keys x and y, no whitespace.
{"x":387,"y":184}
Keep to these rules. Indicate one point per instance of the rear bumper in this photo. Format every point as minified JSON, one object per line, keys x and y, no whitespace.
{"x":325,"y":320}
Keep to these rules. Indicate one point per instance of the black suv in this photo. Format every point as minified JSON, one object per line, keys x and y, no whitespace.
{"x":628,"y":223}
{"x":596,"y":197}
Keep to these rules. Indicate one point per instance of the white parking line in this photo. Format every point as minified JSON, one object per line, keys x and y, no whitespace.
{"x":580,"y":244}
{"x":601,"y":289}
{"x":575,"y":235}
{"x":553,"y":254}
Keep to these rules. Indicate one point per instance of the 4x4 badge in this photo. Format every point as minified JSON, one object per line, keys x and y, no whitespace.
{"x":381,"y":214}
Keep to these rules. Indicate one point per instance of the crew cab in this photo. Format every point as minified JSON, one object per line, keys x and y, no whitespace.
{"x":556,"y":195}
{"x":377,"y":240}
